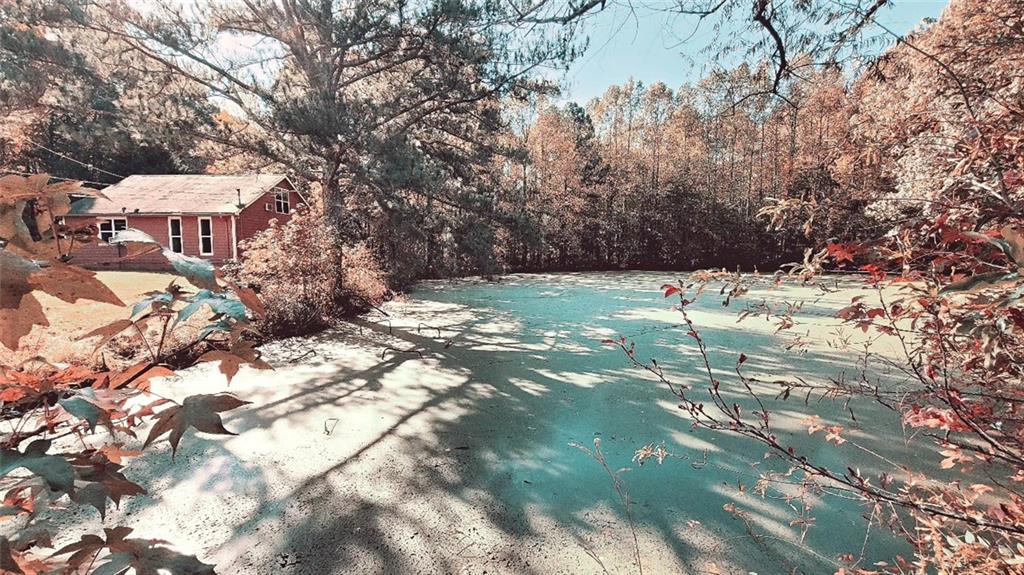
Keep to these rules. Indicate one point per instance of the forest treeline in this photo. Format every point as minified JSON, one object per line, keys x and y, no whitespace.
{"x":439,"y":150}
{"x":655,"y":178}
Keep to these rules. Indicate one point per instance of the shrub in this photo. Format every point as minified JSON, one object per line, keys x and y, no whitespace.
{"x":305,"y":278}
{"x":365,"y":282}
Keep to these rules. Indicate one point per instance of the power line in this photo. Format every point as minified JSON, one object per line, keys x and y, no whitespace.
{"x":20,"y":173}
{"x":79,"y":162}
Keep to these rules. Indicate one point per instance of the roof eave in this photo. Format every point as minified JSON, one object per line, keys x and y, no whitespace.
{"x":141,"y":214}
{"x":272,"y":187}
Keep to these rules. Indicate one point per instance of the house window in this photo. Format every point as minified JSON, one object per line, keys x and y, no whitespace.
{"x":174,"y":235}
{"x":111,"y":225}
{"x":205,"y":237}
{"x":282,"y":204}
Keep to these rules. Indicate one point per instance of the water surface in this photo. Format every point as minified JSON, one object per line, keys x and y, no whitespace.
{"x":440,"y":439}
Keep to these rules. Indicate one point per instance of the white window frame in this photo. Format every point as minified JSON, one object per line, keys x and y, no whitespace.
{"x":199,"y":226}
{"x":109,"y":222}
{"x":282,"y":202}
{"x":180,"y":236}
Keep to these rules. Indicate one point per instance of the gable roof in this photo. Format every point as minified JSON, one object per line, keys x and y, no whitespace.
{"x":180,"y":194}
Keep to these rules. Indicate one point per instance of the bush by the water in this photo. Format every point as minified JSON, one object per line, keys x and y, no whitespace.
{"x":305,"y":278}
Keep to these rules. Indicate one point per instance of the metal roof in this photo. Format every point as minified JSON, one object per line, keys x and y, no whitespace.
{"x":179,"y":194}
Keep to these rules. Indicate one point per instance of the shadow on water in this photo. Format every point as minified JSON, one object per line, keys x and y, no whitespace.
{"x":456,"y":457}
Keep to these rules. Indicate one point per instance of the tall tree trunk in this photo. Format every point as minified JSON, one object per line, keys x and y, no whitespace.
{"x":431,"y":236}
{"x":335,"y":222}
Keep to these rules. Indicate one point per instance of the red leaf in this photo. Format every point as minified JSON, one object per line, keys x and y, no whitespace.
{"x":198,"y":411}
{"x":138,"y":375}
{"x":842,"y":252}
{"x":240,"y":353}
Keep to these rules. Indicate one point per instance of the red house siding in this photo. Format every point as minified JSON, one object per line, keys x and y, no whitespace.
{"x":256,"y":217}
{"x":249,"y":221}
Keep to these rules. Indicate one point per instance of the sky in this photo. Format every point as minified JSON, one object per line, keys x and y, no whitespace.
{"x":646,"y":45}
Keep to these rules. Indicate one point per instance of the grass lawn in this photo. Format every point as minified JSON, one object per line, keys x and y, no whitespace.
{"x":56,"y":342}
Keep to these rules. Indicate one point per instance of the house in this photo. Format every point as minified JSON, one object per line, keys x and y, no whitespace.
{"x":196,"y":215}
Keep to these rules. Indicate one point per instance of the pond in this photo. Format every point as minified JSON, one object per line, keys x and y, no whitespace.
{"x":443,"y":438}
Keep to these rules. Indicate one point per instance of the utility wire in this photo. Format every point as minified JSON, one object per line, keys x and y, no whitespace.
{"x":79,"y":162}
{"x":20,"y":173}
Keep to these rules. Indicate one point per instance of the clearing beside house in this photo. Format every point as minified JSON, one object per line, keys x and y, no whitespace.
{"x":57,"y":342}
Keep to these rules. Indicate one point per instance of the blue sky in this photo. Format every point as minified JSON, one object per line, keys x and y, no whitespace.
{"x":645,"y":45}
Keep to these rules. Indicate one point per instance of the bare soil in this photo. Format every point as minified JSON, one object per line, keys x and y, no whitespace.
{"x":58,"y":343}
